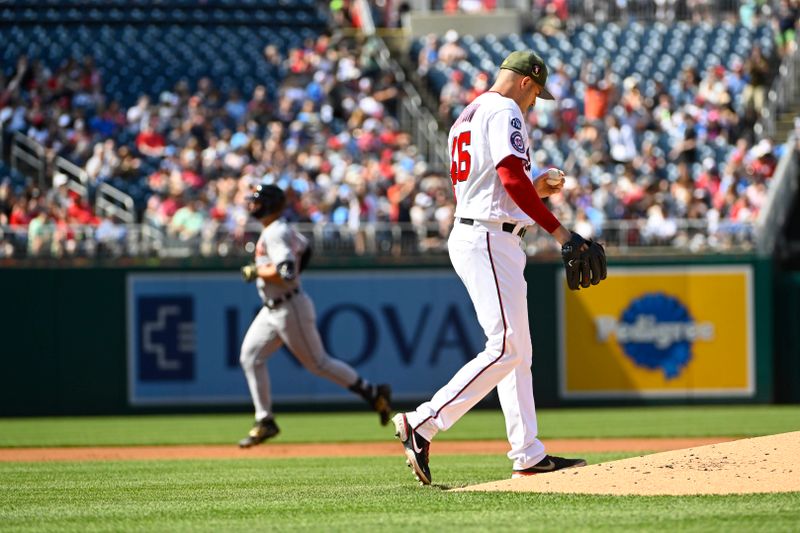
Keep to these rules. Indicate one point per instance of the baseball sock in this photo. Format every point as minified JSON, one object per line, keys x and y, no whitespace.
{"x":363,"y":388}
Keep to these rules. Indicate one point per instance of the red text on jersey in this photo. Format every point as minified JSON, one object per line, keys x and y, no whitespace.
{"x":460,"y":159}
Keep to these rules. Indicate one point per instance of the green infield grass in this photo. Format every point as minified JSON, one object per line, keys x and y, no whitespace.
{"x":360,"y":494}
{"x":696,"y":421}
{"x":344,"y":494}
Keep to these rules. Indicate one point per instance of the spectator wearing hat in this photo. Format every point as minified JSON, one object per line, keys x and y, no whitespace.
{"x":713,"y":89}
{"x":762,"y":161}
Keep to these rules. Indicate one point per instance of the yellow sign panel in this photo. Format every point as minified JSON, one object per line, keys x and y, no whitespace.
{"x":665,"y":332}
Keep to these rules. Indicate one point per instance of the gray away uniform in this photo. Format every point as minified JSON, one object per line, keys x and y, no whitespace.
{"x":288,"y":317}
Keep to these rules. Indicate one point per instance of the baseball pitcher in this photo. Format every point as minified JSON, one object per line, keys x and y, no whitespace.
{"x":288,"y":317}
{"x":496,"y":201}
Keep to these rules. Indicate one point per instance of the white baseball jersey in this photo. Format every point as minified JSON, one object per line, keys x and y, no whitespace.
{"x":291,"y":323}
{"x":490,"y":129}
{"x":491,"y":263}
{"x":277,"y":243}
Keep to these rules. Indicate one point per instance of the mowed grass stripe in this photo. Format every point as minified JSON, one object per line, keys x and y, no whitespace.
{"x":693,"y":421}
{"x":343,"y":494}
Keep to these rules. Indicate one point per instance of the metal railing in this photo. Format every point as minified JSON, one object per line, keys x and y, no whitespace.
{"x":109,"y":239}
{"x":28,"y":157}
{"x":77,"y":178}
{"x":671,"y":236}
{"x":431,"y":142}
{"x":605,"y":10}
{"x":782,"y":193}
{"x":783,"y":92}
{"x":414,"y":117}
{"x":112,"y":202}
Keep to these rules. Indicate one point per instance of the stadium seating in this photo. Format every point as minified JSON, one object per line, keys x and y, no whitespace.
{"x":147,"y":46}
{"x":16,"y":179}
{"x":648,"y":52}
{"x":149,"y":58}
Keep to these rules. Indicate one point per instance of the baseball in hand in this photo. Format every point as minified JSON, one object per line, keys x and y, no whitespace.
{"x":554,"y":176}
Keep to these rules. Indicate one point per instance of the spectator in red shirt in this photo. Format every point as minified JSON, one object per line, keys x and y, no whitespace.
{"x":596,"y":97}
{"x":149,"y":142}
{"x":80,"y":212}
{"x":764,"y":161}
{"x":480,"y":86}
{"x":19,"y":213}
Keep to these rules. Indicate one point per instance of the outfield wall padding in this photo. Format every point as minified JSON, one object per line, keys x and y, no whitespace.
{"x":65,"y":342}
{"x":787,"y":338}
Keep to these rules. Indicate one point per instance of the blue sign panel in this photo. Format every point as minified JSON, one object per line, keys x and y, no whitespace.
{"x":412,"y":330}
{"x":167,"y":348}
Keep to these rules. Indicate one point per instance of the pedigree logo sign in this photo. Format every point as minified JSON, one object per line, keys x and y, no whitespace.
{"x":680,"y":332}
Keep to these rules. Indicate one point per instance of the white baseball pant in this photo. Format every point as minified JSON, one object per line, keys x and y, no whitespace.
{"x":491,"y":262}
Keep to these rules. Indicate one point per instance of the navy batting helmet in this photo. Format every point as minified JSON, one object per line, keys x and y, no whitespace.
{"x":266,"y":200}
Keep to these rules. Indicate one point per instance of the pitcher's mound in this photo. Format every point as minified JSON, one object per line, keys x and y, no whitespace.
{"x":761,"y":464}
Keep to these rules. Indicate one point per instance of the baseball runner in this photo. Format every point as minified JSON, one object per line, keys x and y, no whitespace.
{"x":288,"y":317}
{"x":496,"y":202}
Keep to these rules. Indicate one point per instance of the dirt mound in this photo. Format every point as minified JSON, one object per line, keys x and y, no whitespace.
{"x":757,"y":465}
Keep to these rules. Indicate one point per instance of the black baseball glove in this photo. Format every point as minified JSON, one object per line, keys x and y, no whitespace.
{"x":583,"y":268}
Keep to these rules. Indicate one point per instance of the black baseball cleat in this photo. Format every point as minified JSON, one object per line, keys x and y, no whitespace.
{"x":550,"y":463}
{"x":262,"y":430}
{"x":382,"y":402}
{"x":416,"y":448}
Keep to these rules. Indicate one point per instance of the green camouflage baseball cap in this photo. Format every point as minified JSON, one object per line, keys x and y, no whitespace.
{"x":528,"y":63}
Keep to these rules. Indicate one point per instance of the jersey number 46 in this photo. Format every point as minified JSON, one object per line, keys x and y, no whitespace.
{"x":460,"y":160}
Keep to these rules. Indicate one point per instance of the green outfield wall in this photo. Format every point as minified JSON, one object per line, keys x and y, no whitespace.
{"x":787,"y":337}
{"x":66,"y":331}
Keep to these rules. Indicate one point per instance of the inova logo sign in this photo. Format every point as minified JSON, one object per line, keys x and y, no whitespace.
{"x":657,"y":332}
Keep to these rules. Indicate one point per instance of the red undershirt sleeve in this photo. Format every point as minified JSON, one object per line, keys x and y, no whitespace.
{"x":521,"y":190}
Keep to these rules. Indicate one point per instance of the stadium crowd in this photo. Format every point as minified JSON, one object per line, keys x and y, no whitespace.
{"x":644,"y":150}
{"x":330,"y":138}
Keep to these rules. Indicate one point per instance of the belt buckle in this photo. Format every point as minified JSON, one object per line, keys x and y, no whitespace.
{"x":275,"y":302}
{"x":514,"y":229}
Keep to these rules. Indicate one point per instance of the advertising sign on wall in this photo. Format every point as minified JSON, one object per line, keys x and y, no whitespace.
{"x":665,"y":332}
{"x":412,"y":330}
